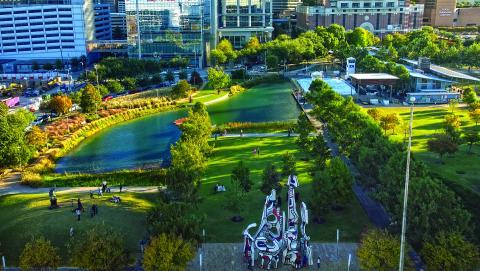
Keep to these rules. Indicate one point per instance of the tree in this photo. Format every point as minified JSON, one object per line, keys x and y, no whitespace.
{"x":469,"y":96}
{"x":450,"y":251}
{"x":236,"y":197}
{"x":217,"y":57}
{"x":167,"y":253}
{"x":304,"y":128}
{"x":156,"y":79}
{"x":170,"y":76}
{"x":371,"y":64}
{"x":323,"y":193}
{"x":252,"y":47}
{"x":320,"y":151}
{"x":272,"y":61}
{"x":183,"y":75}
{"x":218,"y":79}
{"x":129,"y":83}
{"x":452,"y":104}
{"x":198,"y":128}
{"x":241,"y":175}
{"x":114,"y":87}
{"x":360,"y":37}
{"x":339,"y":174}
{"x":379,"y":251}
{"x":175,"y":218}
{"x":91,"y":99}
{"x":389,"y":122}
{"x":471,"y":137}
{"x":270,"y":179}
{"x":181,"y":89}
{"x":195,"y":78}
{"x":442,"y":144}
{"x":58,"y":64}
{"x":375,"y":113}
{"x":61,"y":104}
{"x":14,"y":150}
{"x":475,"y":116}
{"x":103,"y":90}
{"x":39,"y":254}
{"x":288,"y":164}
{"x":99,"y":249}
{"x":37,"y":138}
{"x":226,"y":47}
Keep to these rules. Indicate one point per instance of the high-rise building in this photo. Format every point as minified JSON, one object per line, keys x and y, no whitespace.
{"x":377,"y":16}
{"x":239,"y":20}
{"x":438,"y":12}
{"x":284,"y":8}
{"x":46,"y":29}
{"x":165,"y":29}
{"x":119,"y":23}
{"x":103,"y":22}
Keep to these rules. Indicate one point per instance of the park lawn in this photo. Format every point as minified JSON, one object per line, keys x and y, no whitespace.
{"x":228,"y":152}
{"x":26,"y":215}
{"x":461,"y":167}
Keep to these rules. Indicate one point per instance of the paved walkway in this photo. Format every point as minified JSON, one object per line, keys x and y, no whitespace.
{"x":261,"y":135}
{"x":11,"y":185}
{"x":228,"y":256}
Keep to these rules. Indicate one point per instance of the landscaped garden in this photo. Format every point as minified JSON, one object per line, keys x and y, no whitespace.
{"x":227,"y":153}
{"x":27,"y":215}
{"x":462,"y":166}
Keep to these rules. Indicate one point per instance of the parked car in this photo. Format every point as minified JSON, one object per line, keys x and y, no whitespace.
{"x":107,"y":98}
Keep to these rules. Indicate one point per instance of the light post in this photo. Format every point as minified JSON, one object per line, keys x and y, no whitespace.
{"x":405,"y":195}
{"x":96,"y":71}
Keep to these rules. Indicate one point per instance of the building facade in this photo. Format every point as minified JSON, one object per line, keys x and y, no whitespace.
{"x":44,"y":30}
{"x":239,"y":20}
{"x":379,"y":17}
{"x":467,"y":16}
{"x":284,"y":8}
{"x":438,"y":12}
{"x":103,"y":22}
{"x":167,"y":29}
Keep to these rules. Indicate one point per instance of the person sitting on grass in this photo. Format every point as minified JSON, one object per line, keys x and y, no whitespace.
{"x":116,"y":199}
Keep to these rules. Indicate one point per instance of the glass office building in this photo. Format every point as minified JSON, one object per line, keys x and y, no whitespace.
{"x":164,"y":29}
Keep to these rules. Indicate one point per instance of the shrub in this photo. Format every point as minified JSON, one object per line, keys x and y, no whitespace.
{"x":31,"y":179}
{"x":236,"y":89}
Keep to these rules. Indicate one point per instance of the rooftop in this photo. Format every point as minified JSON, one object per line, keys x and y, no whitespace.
{"x":442,"y":71}
{"x":373,"y":76}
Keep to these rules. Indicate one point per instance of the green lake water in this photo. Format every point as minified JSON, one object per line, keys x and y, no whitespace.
{"x":146,"y":141}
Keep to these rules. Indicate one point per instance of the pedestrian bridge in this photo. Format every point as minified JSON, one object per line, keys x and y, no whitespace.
{"x":108,"y":46}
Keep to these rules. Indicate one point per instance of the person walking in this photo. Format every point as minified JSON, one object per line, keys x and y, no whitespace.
{"x":318,"y":262}
{"x":79,"y":213}
{"x":241,"y":133}
{"x":121,"y":187}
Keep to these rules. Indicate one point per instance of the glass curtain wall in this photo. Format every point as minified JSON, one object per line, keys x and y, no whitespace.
{"x":168,"y":29}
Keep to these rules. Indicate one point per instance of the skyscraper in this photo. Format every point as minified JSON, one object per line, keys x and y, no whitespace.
{"x":438,"y":12}
{"x":378,"y":16}
{"x":238,"y":20}
{"x":163,"y":29}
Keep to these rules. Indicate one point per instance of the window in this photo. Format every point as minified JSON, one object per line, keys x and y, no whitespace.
{"x":66,"y":28}
{"x":20,"y":25}
{"x":65,"y":16}
{"x":5,"y":19}
{"x":23,"y":49}
{"x":51,"y":29}
{"x":366,"y":5}
{"x":34,"y":11}
{"x":64,"y":9}
{"x":22,"y":37}
{"x":390,"y":4}
{"x":49,"y":10}
{"x":23,"y":43}
{"x":53,"y":47}
{"x":68,"y":47}
{"x":38,"y":42}
{"x":19,"y":12}
{"x":38,"y":48}
{"x":6,"y":25}
{"x":67,"y":34}
{"x":67,"y":40}
{"x":54,"y":22}
{"x":38,"y":36}
{"x":65,"y":22}
{"x":378,"y":4}
{"x":35,"y":17}
{"x":9,"y":50}
{"x":36,"y":23}
{"x":50,"y":16}
{"x":8,"y":38}
{"x":5,"y":13}
{"x":7,"y":32}
{"x":23,"y":31}
{"x":9,"y":44}
{"x":52,"y":35}
{"x":344,"y":5}
{"x":355,"y":5}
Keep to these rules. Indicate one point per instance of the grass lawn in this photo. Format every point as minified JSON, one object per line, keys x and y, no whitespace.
{"x":23,"y":216}
{"x":461,"y":167}
{"x":227,"y":153}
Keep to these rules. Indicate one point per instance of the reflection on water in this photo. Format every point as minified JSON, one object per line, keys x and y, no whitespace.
{"x":146,"y":142}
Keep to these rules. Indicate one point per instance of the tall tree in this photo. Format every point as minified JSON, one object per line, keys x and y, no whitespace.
{"x":475,"y":116}
{"x":241,"y":175}
{"x":61,"y":104}
{"x":270,"y":179}
{"x":379,"y":251}
{"x":91,"y":99}
{"x":39,"y":255}
{"x":450,"y":251}
{"x":14,"y":150}
{"x":167,"y":253}
{"x":218,"y":79}
{"x":99,"y":249}
{"x":181,"y":89}
{"x":304,"y":128}
{"x":288,"y":164}
{"x":471,"y":137}
{"x":442,"y":144}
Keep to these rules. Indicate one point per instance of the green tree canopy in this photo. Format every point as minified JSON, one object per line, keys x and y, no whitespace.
{"x":288,"y":164}
{"x":38,"y":255}
{"x":14,"y":150}
{"x":167,"y":252}
{"x":218,"y":79}
{"x":181,"y":89}
{"x":91,"y":99}
{"x":114,"y":86}
{"x":99,"y":249}
{"x":270,"y":179}
{"x":450,"y":251}
{"x":241,"y":175}
{"x":60,"y":104}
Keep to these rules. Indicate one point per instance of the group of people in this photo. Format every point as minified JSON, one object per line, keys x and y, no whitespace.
{"x":219,"y":188}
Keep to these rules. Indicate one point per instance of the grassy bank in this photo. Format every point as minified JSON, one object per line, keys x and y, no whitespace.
{"x":228,"y":152}
{"x":24,"y":216}
{"x":257,"y":127}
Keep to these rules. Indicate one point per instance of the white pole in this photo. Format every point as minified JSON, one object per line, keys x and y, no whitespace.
{"x":3,"y":263}
{"x":349,"y":261}
{"x":405,"y":196}
{"x":338,"y":238}
{"x":201,"y":262}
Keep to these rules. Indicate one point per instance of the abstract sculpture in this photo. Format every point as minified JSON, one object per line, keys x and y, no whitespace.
{"x":273,"y":242}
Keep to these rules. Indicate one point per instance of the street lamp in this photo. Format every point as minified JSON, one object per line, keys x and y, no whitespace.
{"x":96,"y":71}
{"x":405,"y":195}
